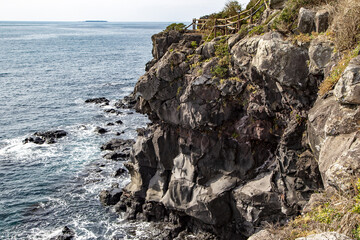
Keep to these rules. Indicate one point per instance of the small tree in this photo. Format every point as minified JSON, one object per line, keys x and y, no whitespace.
{"x":231,"y":8}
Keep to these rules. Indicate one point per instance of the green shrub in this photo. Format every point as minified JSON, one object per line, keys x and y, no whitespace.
{"x":257,"y":30}
{"x":221,"y":52}
{"x":194,"y":44}
{"x":175,"y":26}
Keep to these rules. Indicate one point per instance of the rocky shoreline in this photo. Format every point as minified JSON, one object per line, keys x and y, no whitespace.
{"x":239,"y":137}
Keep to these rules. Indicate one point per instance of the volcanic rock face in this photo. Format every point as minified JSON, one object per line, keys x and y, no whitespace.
{"x":226,"y":154}
{"x":333,"y":133}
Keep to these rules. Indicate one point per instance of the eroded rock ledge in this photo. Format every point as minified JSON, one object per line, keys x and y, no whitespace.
{"x":228,"y":155}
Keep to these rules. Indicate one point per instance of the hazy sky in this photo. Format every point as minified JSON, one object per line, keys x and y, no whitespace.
{"x":111,"y":10}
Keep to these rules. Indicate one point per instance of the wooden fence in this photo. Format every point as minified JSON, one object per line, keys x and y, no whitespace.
{"x":227,"y":25}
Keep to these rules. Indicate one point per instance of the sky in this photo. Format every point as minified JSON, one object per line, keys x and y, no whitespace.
{"x":110,"y":10}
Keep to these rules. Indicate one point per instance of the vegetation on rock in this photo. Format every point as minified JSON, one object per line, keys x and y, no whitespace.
{"x":175,"y":26}
{"x":338,"y":212}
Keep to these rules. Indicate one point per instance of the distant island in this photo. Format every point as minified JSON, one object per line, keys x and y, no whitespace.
{"x":96,"y":21}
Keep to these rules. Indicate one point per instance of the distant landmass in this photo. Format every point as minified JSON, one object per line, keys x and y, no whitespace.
{"x":95,"y":21}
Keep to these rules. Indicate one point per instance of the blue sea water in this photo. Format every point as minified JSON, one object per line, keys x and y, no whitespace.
{"x":47,"y":71}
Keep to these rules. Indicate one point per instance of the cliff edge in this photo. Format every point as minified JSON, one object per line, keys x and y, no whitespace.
{"x":239,"y":136}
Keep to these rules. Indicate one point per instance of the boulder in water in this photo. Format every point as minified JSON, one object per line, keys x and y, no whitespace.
{"x":100,"y":100}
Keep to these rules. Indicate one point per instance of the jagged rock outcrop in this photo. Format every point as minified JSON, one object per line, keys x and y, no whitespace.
{"x":223,"y":154}
{"x":333,"y":130}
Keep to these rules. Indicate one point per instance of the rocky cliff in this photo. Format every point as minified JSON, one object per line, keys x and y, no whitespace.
{"x":239,"y":137}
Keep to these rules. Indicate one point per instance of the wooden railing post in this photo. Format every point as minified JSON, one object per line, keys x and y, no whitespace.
{"x":251,"y":16}
{"x":215,"y":28}
{"x":194,"y":23}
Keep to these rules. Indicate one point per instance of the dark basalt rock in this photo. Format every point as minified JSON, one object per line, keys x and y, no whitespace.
{"x":100,"y":100}
{"x":225,"y":155}
{"x":119,"y":122}
{"x":118,"y":155}
{"x":112,"y":111}
{"x":66,"y":234}
{"x":110,"y":197}
{"x":45,"y":137}
{"x":100,"y":130}
{"x":128,"y":102}
{"x":118,"y":144}
{"x":119,"y":172}
{"x":51,"y":134}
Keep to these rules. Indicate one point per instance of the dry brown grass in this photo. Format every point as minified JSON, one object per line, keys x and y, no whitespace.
{"x":340,"y":212}
{"x":346,"y":24}
{"x":337,"y":71}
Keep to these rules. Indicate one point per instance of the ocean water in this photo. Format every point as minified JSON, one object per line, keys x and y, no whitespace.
{"x":47,"y":71}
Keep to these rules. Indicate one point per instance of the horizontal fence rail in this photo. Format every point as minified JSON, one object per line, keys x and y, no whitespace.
{"x":227,"y":25}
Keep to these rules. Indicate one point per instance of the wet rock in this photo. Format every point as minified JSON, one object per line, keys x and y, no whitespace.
{"x":128,"y":102}
{"x":327,"y":236}
{"x":110,"y":124}
{"x":347,"y":90}
{"x":51,"y":134}
{"x":100,"y":100}
{"x":110,"y":197}
{"x":119,"y":122}
{"x":45,"y":137}
{"x":119,"y":172}
{"x":118,"y":155}
{"x":306,"y":22}
{"x":322,"y":21}
{"x":66,"y":234}
{"x":100,"y":130}
{"x":112,"y":111}
{"x":118,"y":144}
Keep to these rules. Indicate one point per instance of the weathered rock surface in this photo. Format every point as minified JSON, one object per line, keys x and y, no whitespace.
{"x":224,"y":155}
{"x":333,"y":132}
{"x":306,"y":22}
{"x":320,"y":53}
{"x":322,"y":21}
{"x":347,"y":90}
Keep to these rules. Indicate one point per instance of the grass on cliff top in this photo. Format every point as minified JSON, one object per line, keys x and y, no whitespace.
{"x":338,"y":212}
{"x":337,"y":71}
